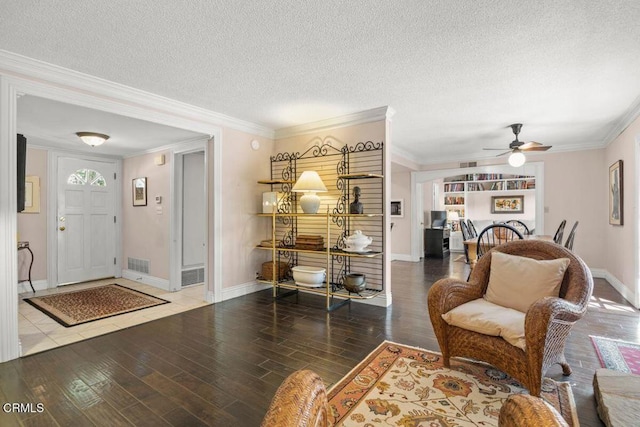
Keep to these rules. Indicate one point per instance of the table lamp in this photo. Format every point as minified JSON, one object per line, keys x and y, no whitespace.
{"x":309,"y":183}
{"x":452,"y":216}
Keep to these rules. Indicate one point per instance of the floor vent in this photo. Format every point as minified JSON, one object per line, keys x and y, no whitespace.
{"x":139,"y":265}
{"x":191,"y":277}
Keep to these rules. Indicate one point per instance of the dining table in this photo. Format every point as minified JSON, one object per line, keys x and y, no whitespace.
{"x":472,"y":245}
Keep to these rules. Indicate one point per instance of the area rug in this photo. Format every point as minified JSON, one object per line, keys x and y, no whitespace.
{"x":88,"y":305}
{"x":618,"y":355}
{"x":398,"y":385}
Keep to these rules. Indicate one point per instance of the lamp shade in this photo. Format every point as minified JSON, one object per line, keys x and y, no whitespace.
{"x":310,"y":184}
{"x":453,"y":216}
{"x":91,"y":138}
{"x":517,"y":158}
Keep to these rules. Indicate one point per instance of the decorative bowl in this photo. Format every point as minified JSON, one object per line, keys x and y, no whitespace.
{"x":312,"y":277}
{"x":357,"y":242}
{"x":355,"y":282}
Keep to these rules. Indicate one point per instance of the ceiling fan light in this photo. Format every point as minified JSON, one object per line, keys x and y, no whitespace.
{"x":91,"y":138}
{"x":517,"y":159}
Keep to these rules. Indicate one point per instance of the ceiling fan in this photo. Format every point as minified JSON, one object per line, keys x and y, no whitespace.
{"x":517,"y":147}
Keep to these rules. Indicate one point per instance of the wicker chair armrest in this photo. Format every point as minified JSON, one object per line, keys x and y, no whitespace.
{"x":542,"y":315}
{"x":447,"y":294}
{"x":521,"y":410}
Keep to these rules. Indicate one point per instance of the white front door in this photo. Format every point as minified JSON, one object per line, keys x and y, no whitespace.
{"x":86,"y":220}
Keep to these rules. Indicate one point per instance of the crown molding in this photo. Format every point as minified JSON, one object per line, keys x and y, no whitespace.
{"x":168,"y":147}
{"x":623,"y":123}
{"x":127,"y":98}
{"x":367,"y":116}
{"x":434,"y":160}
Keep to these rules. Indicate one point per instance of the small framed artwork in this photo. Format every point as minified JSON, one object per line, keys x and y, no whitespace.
{"x":139,"y":191}
{"x":31,"y":194}
{"x":615,"y":194}
{"x":397,"y":208}
{"x":507,"y":204}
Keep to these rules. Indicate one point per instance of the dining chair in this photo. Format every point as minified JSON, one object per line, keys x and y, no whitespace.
{"x":569,"y":243}
{"x":494,"y":235}
{"x":519,"y":225}
{"x":559,"y":232}
{"x":472,"y":229}
{"x":466,"y":235}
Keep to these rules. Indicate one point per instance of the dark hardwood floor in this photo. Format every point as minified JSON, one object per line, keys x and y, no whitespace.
{"x":221,"y":364}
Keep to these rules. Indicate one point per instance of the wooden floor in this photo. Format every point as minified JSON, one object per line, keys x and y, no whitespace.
{"x":221,"y":364}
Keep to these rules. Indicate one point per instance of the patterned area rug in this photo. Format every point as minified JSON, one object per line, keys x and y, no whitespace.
{"x":88,"y":305}
{"x":618,"y":355}
{"x":397,"y":385}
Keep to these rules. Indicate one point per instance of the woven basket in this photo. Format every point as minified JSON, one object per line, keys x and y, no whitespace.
{"x":267,"y":270}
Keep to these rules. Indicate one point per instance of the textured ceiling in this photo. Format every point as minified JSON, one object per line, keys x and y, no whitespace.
{"x":456,"y":72}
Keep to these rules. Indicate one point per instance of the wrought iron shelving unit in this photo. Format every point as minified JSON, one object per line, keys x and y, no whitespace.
{"x":341,"y":169}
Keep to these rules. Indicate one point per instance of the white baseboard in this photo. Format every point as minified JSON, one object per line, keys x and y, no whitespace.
{"x":380,"y":300}
{"x":401,"y":257}
{"x":38,"y":285}
{"x":242,"y":289}
{"x":617,"y":285}
{"x":146,"y":279}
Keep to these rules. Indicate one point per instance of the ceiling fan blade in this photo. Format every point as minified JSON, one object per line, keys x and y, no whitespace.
{"x":536,"y":148}
{"x":502,"y":154}
{"x":493,"y":148}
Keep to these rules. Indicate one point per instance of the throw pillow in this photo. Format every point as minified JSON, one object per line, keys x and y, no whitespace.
{"x":517,"y":282}
{"x":489,"y":319}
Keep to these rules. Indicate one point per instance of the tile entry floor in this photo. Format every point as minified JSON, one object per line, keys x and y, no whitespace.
{"x":38,"y":332}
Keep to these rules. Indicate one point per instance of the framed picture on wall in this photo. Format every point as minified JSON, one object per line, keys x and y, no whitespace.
{"x":615,"y":193}
{"x":507,"y":204}
{"x":397,"y":208}
{"x":139,"y":189}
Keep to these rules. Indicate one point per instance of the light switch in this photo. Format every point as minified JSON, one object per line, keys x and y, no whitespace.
{"x":159,"y":210}
{"x":158,"y":199}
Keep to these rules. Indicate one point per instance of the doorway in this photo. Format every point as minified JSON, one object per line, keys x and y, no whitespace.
{"x":190,"y":214}
{"x":534,"y":169}
{"x":86,"y":219}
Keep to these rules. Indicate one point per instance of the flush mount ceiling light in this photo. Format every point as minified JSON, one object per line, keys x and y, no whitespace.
{"x":91,"y":138}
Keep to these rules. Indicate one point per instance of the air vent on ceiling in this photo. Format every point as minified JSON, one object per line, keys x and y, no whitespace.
{"x":468,"y":164}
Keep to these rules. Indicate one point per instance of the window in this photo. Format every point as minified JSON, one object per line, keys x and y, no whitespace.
{"x":87,"y":176}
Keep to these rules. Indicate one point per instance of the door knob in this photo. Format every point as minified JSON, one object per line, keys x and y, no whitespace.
{"x":62,"y":228}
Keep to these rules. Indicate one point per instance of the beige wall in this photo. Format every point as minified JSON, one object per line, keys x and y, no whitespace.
{"x":32,"y":227}
{"x":401,"y":231}
{"x":242,"y":229}
{"x":617,"y":245}
{"x":145,"y":233}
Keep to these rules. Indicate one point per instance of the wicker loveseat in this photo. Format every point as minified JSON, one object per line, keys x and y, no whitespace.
{"x":547,"y":321}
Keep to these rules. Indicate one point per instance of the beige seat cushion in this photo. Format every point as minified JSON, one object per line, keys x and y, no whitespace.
{"x":517,"y":282}
{"x":490,"y":319}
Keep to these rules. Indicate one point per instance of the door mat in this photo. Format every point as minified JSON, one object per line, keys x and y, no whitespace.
{"x":398,"y":385}
{"x":618,"y":355}
{"x":88,"y":305}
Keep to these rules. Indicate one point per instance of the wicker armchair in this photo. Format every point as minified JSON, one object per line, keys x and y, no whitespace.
{"x":300,"y":401}
{"x":522,"y":410}
{"x":547,"y":321}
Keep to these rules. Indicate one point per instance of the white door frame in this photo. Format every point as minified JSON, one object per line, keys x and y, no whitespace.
{"x":18,"y":76}
{"x":177,"y":209}
{"x":530,"y":168}
{"x":52,"y":211}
